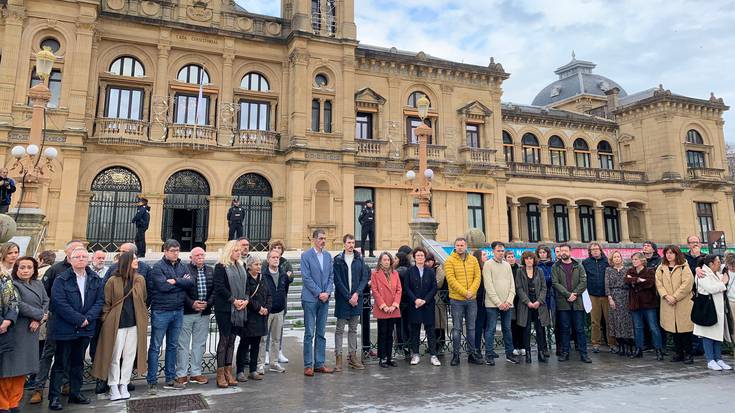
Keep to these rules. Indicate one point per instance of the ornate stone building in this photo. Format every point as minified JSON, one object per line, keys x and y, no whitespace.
{"x":192,"y":102}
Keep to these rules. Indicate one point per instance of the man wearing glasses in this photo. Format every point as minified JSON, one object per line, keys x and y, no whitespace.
{"x":694,"y":253}
{"x":318,"y":279}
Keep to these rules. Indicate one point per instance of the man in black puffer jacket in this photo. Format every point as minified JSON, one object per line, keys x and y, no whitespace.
{"x":277,"y":279}
{"x":595,"y":265}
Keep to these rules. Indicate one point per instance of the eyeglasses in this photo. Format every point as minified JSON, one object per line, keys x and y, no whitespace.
{"x":81,"y":257}
{"x":172,"y":250}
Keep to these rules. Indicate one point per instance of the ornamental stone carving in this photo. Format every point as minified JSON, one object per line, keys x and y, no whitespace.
{"x":150,"y":8}
{"x":199,"y":11}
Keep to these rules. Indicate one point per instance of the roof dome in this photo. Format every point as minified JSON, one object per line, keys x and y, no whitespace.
{"x":575,"y":78}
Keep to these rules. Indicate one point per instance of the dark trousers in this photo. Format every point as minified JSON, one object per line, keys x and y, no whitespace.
{"x":235,"y":232}
{"x":385,"y":337}
{"x":430,"y":337}
{"x":540,"y":333}
{"x":140,"y":241}
{"x":517,"y":332}
{"x":249,"y":346}
{"x":480,"y":326}
{"x":365,"y":322}
{"x":368,"y":233}
{"x":568,"y":319}
{"x":69,"y":356}
{"x":4,"y":209}
{"x":95,"y":338}
{"x":403,"y":333}
{"x":682,"y":343}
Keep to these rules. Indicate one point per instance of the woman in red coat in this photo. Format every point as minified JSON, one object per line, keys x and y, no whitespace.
{"x":385,"y":286}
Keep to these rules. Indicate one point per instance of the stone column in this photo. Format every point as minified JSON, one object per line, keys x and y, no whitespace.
{"x":514,"y":222}
{"x":544,"y":222}
{"x":295,"y":205}
{"x":153,"y":235}
{"x":14,"y":17}
{"x":82,"y":59}
{"x":646,"y":215}
{"x":624,"y":232}
{"x":218,"y":230}
{"x":160,"y":100}
{"x":227,"y":122}
{"x":599,"y":224}
{"x":573,"y":221}
{"x":69,"y":191}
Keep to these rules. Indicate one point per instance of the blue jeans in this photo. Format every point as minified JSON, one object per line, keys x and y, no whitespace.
{"x":315,"y":343}
{"x":463,"y":311}
{"x":566,"y":317}
{"x":712,"y":349}
{"x":491,"y":323}
{"x":168,"y":324}
{"x":649,"y":317}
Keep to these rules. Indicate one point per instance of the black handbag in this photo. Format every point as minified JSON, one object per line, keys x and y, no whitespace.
{"x":703,"y":312}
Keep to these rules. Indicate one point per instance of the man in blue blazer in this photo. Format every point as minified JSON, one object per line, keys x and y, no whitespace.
{"x":318,"y":280}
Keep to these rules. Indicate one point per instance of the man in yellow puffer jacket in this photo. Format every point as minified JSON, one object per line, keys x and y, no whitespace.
{"x":463,"y":278}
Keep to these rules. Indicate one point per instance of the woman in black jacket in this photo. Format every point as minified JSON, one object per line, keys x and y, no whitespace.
{"x":231,"y":299}
{"x":258,"y":307}
{"x":531,"y":310}
{"x":421,"y":290}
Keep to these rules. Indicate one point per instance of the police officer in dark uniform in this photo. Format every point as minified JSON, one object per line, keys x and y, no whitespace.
{"x":142,"y":220}
{"x":235,"y":216}
{"x":367,"y":221}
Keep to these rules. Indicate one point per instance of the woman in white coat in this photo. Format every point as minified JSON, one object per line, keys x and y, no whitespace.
{"x":709,"y":282}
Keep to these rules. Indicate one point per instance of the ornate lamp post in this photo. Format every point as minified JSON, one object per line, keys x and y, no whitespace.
{"x":422,"y":187}
{"x":30,"y":165}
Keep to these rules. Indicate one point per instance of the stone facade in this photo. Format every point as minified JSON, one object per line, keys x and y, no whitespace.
{"x":129,"y":78}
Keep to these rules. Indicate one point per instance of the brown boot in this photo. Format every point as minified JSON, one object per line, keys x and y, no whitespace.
{"x":355,"y":362}
{"x":231,"y":380}
{"x":338,"y":363}
{"x":221,"y":380}
{"x":36,"y":397}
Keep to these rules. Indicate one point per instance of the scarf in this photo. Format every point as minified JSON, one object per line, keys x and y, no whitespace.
{"x":237,"y":277}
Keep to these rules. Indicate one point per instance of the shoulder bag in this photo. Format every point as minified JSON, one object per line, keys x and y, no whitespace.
{"x":703,"y":312}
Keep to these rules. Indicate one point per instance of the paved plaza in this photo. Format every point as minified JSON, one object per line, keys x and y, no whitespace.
{"x":609,"y":384}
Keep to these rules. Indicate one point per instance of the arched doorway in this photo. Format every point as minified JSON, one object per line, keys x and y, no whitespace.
{"x":186,"y":209}
{"x":115,"y":193}
{"x":254,"y":193}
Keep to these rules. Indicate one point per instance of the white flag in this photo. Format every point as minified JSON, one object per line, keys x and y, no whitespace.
{"x":201,"y":103}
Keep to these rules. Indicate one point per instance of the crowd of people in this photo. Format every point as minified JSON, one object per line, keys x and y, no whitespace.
{"x":54,"y":312}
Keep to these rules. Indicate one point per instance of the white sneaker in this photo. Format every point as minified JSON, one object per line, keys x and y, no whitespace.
{"x":275,"y":367}
{"x":516,"y":352}
{"x":712,"y":365}
{"x":523,"y":352}
{"x":261,"y":370}
{"x":415,"y":359}
{"x":724,"y":365}
{"x":114,"y":393}
{"x":435,"y":361}
{"x":267,"y":358}
{"x":124,"y":394}
{"x":282,"y":358}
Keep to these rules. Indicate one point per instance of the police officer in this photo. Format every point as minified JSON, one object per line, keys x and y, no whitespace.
{"x":141,"y":220}
{"x":367,"y":222}
{"x":235,"y":217}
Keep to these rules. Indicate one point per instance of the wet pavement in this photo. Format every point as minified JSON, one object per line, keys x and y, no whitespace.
{"x":609,"y":384}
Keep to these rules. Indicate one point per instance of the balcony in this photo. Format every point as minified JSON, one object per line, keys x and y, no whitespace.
{"x":474,"y":158}
{"x":257,"y":141}
{"x":706,"y":174}
{"x":121,"y":132}
{"x":372,"y":149}
{"x":196,"y":137}
{"x":434,"y":153}
{"x":575,"y":173}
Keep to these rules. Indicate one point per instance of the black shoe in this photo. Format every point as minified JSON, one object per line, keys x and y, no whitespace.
{"x":455,"y":360}
{"x":474,"y":359}
{"x":78,"y":399}
{"x":542,"y":357}
{"x":372,"y":255}
{"x":637,"y":354}
{"x":528,"y":356}
{"x":392,"y":363}
{"x":383,"y":364}
{"x":101,"y":387}
{"x":564,"y":357}
{"x":510,"y":358}
{"x":546,"y":353}
{"x":621,"y":350}
{"x":494,"y":355}
{"x":55,"y":404}
{"x":689,"y":359}
{"x":490,"y":360}
{"x":678,"y":357}
{"x":585,"y":358}
{"x":558,"y":352}
{"x":131,"y":387}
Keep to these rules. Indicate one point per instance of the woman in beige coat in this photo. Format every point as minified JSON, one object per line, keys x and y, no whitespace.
{"x":710,"y":282}
{"x":124,"y":328}
{"x":674,"y":282}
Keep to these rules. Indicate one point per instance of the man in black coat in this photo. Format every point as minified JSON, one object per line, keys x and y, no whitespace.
{"x":351,"y":276}
{"x":235,"y":217}
{"x":367,"y":223}
{"x":277,"y":280}
{"x":142,"y":220}
{"x":7,"y":187}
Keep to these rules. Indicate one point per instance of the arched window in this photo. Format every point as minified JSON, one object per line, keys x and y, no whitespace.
{"x":194,"y":74}
{"x":52,"y":43}
{"x":694,"y":137}
{"x":507,"y":147}
{"x":531,"y":149}
{"x":533,"y":219}
{"x":332,"y":17}
{"x":112,"y":206}
{"x":255,"y":82}
{"x":127,"y":66}
{"x":605,"y":155}
{"x":186,"y":209}
{"x":254,"y":193}
{"x":328,"y":116}
{"x":582,"y":153}
{"x":321,"y":80}
{"x":414,"y":97}
{"x":557,"y":151}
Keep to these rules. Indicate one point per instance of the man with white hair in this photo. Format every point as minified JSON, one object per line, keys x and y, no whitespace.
{"x":98,"y":263}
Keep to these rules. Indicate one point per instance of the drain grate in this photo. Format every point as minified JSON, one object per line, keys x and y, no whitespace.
{"x":168,"y":404}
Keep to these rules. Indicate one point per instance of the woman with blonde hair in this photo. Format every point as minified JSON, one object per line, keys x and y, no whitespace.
{"x":9,"y":253}
{"x":621,"y":321}
{"x":230,"y":302}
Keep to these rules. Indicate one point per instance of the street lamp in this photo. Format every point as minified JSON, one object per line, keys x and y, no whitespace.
{"x":422,"y":187}
{"x":30,"y":165}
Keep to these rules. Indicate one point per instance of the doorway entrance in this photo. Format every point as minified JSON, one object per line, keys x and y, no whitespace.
{"x":186,"y":209}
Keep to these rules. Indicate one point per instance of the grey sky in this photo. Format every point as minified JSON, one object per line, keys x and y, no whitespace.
{"x":688,"y":46}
